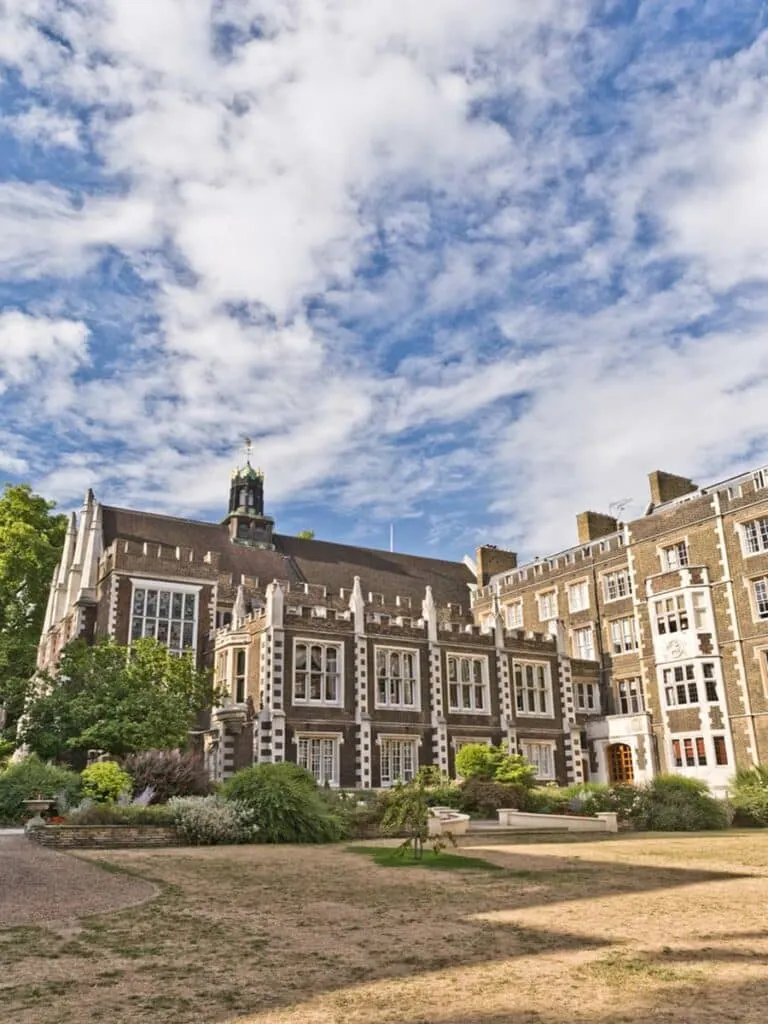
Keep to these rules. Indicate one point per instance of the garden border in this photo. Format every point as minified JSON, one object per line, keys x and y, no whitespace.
{"x":104,"y":837}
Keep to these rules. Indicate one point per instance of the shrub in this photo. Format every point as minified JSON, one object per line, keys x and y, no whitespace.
{"x":105,"y":781}
{"x":285,"y":803}
{"x":89,"y":813}
{"x":547,"y":800}
{"x":483,"y":797}
{"x":480,"y":761}
{"x":749,"y":797}
{"x":596,"y":797}
{"x":169,"y":773}
{"x":24,"y":780}
{"x":211,"y":820}
{"x":477,"y":761}
{"x":674,"y":803}
{"x":445,"y":795}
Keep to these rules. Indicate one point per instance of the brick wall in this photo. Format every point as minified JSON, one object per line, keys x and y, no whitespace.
{"x":103,"y":837}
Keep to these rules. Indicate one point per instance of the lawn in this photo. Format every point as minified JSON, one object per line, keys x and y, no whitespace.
{"x":605,"y":931}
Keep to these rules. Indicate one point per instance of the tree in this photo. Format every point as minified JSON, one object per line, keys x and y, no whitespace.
{"x":31,"y":541}
{"x":481,"y":761}
{"x":119,"y":700}
{"x":306,"y":535}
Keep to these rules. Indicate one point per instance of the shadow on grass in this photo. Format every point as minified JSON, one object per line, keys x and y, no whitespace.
{"x":447,"y":860}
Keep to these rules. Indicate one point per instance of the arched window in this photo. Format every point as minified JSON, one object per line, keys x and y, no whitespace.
{"x":620,"y":767}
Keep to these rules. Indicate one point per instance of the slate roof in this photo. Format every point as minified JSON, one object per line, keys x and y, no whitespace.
{"x":300,"y":560}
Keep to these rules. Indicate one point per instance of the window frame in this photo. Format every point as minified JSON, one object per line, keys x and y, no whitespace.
{"x":616,"y":574}
{"x":679,"y":615}
{"x":307,"y":701}
{"x":582,"y":705}
{"x":524,"y":663}
{"x":239,"y":677}
{"x":760,"y":523}
{"x":482,"y":659}
{"x":507,"y":618}
{"x":172,"y":588}
{"x":386,"y":739}
{"x":578,"y":653}
{"x":547,"y":595}
{"x":675,"y":556}
{"x":754,"y":583}
{"x":631,"y":682}
{"x":525,"y":745}
{"x":581,"y":586}
{"x":336,"y":739}
{"x":633,"y":639}
{"x":389,"y":650}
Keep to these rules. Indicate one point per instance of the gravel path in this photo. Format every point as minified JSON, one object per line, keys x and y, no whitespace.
{"x":39,"y":885}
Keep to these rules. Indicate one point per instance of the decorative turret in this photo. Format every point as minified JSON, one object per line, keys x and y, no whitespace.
{"x":245,"y":517}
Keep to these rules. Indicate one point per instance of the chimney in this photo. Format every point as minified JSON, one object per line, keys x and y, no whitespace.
{"x":594,"y":525}
{"x":667,"y":486}
{"x":490,"y":560}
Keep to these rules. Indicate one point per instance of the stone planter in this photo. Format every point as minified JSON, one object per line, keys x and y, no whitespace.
{"x":37,"y":806}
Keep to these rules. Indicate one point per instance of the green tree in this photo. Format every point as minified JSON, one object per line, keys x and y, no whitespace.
{"x":107,"y":697}
{"x":31,"y":540}
{"x":306,"y":535}
{"x":481,"y":761}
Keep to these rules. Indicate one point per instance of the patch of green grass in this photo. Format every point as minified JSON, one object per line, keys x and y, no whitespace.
{"x":394,"y":857}
{"x":618,"y":969}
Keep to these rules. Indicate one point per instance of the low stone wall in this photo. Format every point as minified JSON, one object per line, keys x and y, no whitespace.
{"x":606,"y":821}
{"x":103,"y":837}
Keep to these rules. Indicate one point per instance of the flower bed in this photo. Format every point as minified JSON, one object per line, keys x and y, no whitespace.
{"x":103,"y":837}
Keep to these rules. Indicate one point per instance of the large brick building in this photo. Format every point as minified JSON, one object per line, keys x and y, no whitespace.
{"x":673,"y":607}
{"x":360,"y":664}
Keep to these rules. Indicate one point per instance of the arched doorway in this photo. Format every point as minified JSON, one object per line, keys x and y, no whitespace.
{"x":620,"y":767}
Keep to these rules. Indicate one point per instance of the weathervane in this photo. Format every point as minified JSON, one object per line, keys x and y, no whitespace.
{"x":248,"y":449}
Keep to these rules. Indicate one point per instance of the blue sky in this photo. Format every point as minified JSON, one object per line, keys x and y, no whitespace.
{"x":471,"y":268}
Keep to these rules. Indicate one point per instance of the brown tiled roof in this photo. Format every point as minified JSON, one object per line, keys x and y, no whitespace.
{"x":300,"y":560}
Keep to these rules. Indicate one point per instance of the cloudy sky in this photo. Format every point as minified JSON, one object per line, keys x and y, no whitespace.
{"x":467,"y":267}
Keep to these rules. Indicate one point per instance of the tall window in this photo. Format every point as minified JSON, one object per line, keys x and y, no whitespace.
{"x":398,"y":759}
{"x":316,"y":673}
{"x":547,"y":605}
{"x":756,"y":536}
{"x":680,"y":686}
{"x":514,"y":614}
{"x":168,"y":616}
{"x":239,"y":688}
{"x":320,"y":756}
{"x":541,"y":756}
{"x":468,"y":683}
{"x":617,"y":585}
{"x":675,"y":556}
{"x":630,"y":693}
{"x":587,"y":697}
{"x":623,"y":636}
{"x":533,"y":688}
{"x":584,"y":643}
{"x":700,"y":610}
{"x":721,"y":751}
{"x":689,"y":751}
{"x":761,"y":598}
{"x":671,"y":615}
{"x":710,"y":682}
{"x":578,"y":597}
{"x":396,"y":678}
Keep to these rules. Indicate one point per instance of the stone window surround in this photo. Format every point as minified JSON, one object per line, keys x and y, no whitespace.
{"x":140,"y":583}
{"x":616,"y":574}
{"x":396,"y":649}
{"x":630,"y":689}
{"x":510,"y":624}
{"x":316,"y":642}
{"x":337,"y":738}
{"x":751,"y":583}
{"x":383,"y":739}
{"x":632,"y":635}
{"x":579,"y":651}
{"x":699,"y":681}
{"x":681,"y":545}
{"x":523,"y":662}
{"x":583,"y":706}
{"x":550,"y":745}
{"x":741,"y":530}
{"x":550,"y":594}
{"x":483,"y":660}
{"x":573,"y":586}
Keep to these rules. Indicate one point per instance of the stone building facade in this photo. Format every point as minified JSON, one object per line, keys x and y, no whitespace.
{"x":673,"y":608}
{"x":362,"y":665}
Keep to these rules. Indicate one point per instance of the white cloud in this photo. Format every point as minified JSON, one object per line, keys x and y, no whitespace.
{"x":379,"y":238}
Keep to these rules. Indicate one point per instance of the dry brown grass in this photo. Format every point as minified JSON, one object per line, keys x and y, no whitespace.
{"x":620,"y":931}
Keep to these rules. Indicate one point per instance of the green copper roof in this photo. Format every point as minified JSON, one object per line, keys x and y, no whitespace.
{"x":247,"y":472}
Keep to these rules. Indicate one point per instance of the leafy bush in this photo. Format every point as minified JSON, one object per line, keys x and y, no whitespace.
{"x":105,"y":781}
{"x":286,"y":804}
{"x":749,"y":797}
{"x":90,"y":813}
{"x":480,"y":761}
{"x":445,"y":795}
{"x":675,"y":803}
{"x":591,"y":798}
{"x":24,"y":780}
{"x":483,"y":797}
{"x":211,"y":820}
{"x":169,"y":773}
{"x":547,"y":800}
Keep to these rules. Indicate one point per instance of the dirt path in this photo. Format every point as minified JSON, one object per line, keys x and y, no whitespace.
{"x":38,"y":885}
